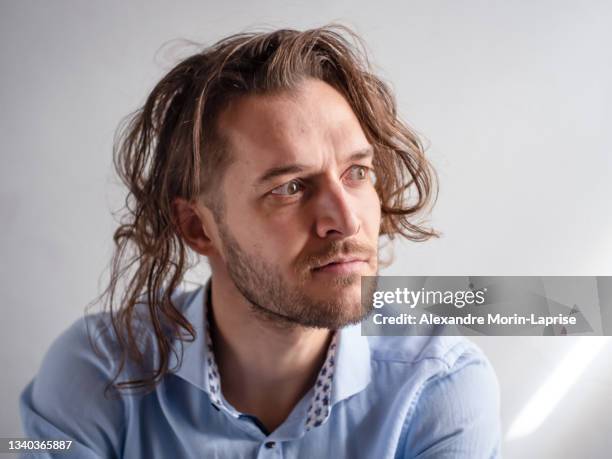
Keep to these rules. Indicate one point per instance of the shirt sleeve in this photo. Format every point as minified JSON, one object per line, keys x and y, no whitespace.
{"x":457,"y":414}
{"x":67,"y":401}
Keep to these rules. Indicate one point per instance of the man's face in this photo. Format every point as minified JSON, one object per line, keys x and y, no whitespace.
{"x":301,"y":218}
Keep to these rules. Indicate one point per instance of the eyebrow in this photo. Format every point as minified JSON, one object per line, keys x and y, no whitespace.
{"x":294,"y":168}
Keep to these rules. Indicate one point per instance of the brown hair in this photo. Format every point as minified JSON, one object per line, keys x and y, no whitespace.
{"x":170,"y":148}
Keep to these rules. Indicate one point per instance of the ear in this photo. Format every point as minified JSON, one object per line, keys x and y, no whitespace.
{"x":195,"y":224}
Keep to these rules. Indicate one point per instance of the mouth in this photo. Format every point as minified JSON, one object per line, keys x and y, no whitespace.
{"x":342,"y":265}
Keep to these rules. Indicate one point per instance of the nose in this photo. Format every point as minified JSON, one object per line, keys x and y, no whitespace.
{"x":335,"y":212}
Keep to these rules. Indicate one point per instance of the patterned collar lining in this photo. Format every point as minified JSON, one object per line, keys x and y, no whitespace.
{"x":320,"y":404}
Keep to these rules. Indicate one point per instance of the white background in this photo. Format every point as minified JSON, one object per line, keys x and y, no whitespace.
{"x":513,"y":98}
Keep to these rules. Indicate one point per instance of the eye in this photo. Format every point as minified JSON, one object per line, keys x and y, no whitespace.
{"x":358,"y":173}
{"x":288,"y":189}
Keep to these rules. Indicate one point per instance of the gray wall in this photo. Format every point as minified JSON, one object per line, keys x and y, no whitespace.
{"x":513,"y":98}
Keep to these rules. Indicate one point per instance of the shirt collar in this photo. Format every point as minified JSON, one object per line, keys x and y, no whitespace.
{"x":345,"y":372}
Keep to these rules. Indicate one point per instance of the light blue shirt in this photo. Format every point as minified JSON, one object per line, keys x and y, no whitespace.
{"x":391,"y":397}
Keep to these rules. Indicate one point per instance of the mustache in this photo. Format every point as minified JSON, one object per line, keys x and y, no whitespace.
{"x":334,"y":249}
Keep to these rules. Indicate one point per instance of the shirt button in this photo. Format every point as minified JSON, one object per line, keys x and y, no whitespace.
{"x":270,"y":444}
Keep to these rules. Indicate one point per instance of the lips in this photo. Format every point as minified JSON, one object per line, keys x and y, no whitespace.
{"x":342,"y":265}
{"x":342,"y":260}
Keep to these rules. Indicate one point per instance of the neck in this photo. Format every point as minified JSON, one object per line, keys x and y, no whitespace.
{"x":265,"y":369}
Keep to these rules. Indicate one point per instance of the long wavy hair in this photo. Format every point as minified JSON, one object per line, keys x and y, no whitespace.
{"x":170,"y":149}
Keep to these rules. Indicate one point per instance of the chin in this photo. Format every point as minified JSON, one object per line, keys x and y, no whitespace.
{"x":339,"y":292}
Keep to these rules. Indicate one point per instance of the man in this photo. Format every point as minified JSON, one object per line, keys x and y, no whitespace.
{"x":280,"y":158}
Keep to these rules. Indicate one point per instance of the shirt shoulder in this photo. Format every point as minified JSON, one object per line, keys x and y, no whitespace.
{"x":451,"y":394}
{"x":68,"y":398}
{"x":448,"y":351}
{"x":72,"y":397}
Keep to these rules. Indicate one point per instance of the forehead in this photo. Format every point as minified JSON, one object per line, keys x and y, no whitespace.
{"x":311,"y":125}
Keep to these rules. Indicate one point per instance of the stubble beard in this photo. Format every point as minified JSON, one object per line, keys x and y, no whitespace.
{"x":275,"y":302}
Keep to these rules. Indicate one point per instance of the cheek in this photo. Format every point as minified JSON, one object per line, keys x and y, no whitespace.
{"x":285,"y":233}
{"x":281,"y":233}
{"x":370,"y":213}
